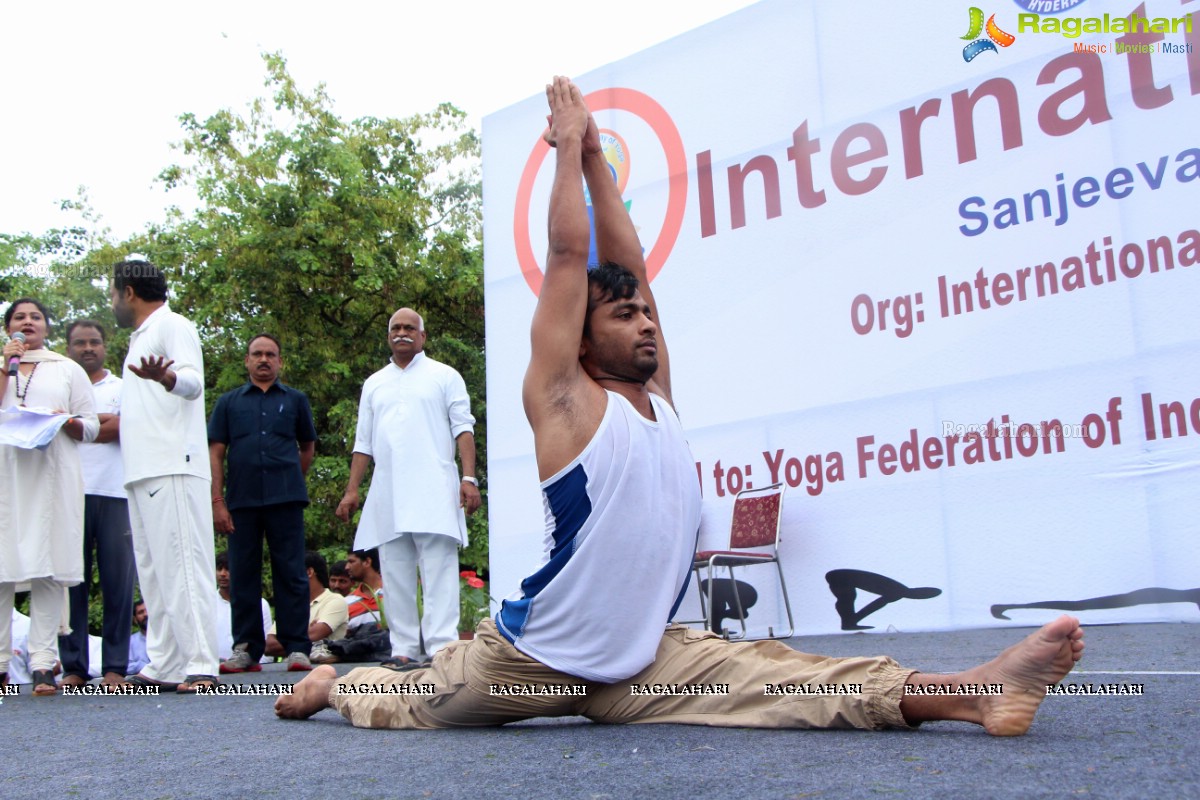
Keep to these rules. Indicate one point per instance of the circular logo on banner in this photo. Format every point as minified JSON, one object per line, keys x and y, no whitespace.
{"x":617,"y":153}
{"x":1043,"y":7}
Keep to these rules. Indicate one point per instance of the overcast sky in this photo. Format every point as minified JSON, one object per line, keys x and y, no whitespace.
{"x":93,"y":91}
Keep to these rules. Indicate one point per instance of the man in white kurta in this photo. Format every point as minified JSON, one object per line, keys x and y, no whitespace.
{"x":164,"y":447}
{"x":411,"y":415}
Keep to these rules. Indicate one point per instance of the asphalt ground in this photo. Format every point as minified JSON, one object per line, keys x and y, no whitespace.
{"x":234,"y":747}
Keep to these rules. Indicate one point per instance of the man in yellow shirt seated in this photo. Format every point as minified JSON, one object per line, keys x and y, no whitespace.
{"x":327,"y":614}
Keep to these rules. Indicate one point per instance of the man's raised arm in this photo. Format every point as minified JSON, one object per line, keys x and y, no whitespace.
{"x":557,"y":329}
{"x":617,"y":240}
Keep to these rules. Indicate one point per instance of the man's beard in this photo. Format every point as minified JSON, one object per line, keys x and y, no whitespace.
{"x":646,"y":367}
{"x":124,"y":316}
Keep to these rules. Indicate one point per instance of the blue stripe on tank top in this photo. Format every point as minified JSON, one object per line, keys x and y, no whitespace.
{"x":679,"y":600}
{"x":570,"y":507}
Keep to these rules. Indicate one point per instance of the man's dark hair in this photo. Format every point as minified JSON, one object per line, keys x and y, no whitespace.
{"x":258,"y":336}
{"x":222,"y":560}
{"x":316,"y":562}
{"x":87,"y":323}
{"x":147,"y":280}
{"x":372,"y":555}
{"x":12,"y":309}
{"x":339,"y":568}
{"x":606,"y":283}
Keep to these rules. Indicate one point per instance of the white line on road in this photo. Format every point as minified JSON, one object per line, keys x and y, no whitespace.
{"x":1129,"y":672}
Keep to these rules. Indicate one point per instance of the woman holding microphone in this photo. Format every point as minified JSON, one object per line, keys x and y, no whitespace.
{"x":41,"y":505}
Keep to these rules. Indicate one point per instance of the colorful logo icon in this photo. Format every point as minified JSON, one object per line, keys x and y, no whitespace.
{"x":995,"y":36}
{"x":617,"y":152}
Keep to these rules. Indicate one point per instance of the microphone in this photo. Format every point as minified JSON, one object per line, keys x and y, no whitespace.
{"x":12,"y":362}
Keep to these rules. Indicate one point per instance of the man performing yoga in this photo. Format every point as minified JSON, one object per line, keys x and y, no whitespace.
{"x":585,"y":635}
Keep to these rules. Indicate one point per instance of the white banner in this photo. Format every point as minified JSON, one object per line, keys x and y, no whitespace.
{"x":933,"y":266}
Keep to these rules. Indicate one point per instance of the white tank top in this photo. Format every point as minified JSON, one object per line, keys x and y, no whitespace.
{"x":621,"y":525}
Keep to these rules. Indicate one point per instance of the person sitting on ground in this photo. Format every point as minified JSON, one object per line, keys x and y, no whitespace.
{"x":339,"y":578}
{"x":623,"y":509}
{"x":366,"y":591}
{"x":327,"y":613}
{"x":18,"y":668}
{"x":225,"y":647}
{"x":367,"y":637}
{"x":138,"y":657}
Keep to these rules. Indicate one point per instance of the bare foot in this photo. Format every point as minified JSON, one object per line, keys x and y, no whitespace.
{"x":1041,"y":659}
{"x":112,"y":681}
{"x":308,"y":696}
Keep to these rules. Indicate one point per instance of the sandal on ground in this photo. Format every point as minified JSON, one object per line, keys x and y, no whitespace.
{"x":402,"y":664}
{"x":193,"y":682}
{"x":3,"y":681}
{"x":142,"y":681}
{"x":43,"y":683}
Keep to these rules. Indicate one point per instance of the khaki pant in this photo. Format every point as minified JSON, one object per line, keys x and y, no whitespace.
{"x":487,"y":681}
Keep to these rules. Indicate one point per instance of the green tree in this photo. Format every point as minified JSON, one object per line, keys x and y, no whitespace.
{"x":54,"y":267}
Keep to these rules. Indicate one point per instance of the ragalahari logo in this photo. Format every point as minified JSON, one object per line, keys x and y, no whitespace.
{"x":617,"y":153}
{"x":995,"y":36}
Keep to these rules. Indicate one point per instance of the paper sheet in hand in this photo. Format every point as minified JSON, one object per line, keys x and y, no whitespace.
{"x":30,"y":428}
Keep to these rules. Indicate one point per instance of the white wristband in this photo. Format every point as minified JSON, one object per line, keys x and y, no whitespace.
{"x":471,"y":481}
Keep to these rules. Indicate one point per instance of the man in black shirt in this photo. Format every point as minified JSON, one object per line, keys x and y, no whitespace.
{"x":265,"y":431}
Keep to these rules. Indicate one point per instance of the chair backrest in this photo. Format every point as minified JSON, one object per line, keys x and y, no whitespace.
{"x":756,"y":517}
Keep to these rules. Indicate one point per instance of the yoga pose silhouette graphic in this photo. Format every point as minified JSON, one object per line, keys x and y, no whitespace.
{"x":845,"y":583}
{"x":723,"y":601}
{"x":1138,"y":597}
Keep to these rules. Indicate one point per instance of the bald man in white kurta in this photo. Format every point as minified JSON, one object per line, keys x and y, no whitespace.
{"x":408,"y":421}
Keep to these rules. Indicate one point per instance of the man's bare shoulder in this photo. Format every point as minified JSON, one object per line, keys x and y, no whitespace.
{"x":662,"y":391}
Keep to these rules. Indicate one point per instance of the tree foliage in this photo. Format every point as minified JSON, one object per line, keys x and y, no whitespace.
{"x":55,"y":267}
